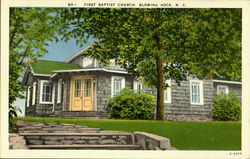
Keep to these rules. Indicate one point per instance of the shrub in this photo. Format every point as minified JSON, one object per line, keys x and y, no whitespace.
{"x":226,"y":107}
{"x":131,"y":105}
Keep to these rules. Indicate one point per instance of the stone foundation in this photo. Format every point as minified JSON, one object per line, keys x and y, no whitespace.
{"x":187,"y":117}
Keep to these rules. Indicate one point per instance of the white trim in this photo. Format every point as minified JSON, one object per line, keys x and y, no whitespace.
{"x":36,"y":74}
{"x":91,"y":69}
{"x":201,"y":92}
{"x":222,"y":86}
{"x":28,"y":96}
{"x":53,"y":75}
{"x":168,"y":92}
{"x":41,"y":92}
{"x":34,"y":94}
{"x":122,"y":83}
{"x":59,"y":91}
{"x":231,"y":82}
{"x":41,"y":75}
{"x":53,"y":97}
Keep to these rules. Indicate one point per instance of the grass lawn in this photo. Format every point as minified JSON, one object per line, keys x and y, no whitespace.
{"x":183,"y":135}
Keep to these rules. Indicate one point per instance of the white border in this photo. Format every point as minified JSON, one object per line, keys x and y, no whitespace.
{"x":5,"y":152}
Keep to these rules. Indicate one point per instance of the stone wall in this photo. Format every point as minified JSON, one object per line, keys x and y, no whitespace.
{"x":16,"y":141}
{"x":147,"y":141}
{"x":187,"y":117}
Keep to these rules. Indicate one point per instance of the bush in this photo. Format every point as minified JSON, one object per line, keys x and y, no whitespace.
{"x":226,"y":107}
{"x":131,"y":105}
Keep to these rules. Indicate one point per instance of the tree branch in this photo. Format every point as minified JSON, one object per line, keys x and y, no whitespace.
{"x":24,"y":55}
{"x":13,"y":34}
{"x":18,"y":42}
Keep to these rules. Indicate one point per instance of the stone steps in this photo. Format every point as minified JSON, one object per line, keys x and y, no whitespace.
{"x":68,"y":136}
{"x":35,"y":127}
{"x":88,"y":138}
{"x":86,"y":147}
{"x":81,"y":114}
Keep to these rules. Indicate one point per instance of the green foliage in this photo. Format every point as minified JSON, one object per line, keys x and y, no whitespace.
{"x":30,"y":30}
{"x":131,"y":105}
{"x":226,"y":107}
{"x":188,"y":40}
{"x":205,"y":42}
{"x":217,"y":135}
{"x":12,"y":114}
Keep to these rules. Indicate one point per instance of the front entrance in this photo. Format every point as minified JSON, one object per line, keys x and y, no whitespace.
{"x":81,"y":93}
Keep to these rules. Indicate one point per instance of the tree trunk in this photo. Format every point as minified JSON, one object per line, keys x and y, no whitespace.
{"x":160,"y":87}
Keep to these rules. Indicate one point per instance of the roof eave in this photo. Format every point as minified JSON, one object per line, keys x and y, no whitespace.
{"x":76,"y":55}
{"x":230,"y":82}
{"x":91,"y":69}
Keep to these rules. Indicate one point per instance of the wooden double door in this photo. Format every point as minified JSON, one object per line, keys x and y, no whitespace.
{"x":81,"y":93}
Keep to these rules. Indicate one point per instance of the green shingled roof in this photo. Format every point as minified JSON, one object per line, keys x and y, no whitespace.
{"x":46,"y":67}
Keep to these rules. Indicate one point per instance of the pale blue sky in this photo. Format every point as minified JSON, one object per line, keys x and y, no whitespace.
{"x":56,"y":52}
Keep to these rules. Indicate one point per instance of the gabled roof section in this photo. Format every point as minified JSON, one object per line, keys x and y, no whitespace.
{"x":42,"y":67}
{"x":78,"y":54}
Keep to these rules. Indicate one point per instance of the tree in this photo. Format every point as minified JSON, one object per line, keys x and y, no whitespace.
{"x":159,"y":44}
{"x":30,"y":30}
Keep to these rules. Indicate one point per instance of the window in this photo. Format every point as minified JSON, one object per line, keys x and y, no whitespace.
{"x":46,"y":92}
{"x":222,"y":89}
{"x":87,"y":87}
{"x":34,"y":94}
{"x":59,"y":91}
{"x":117,"y":84}
{"x":167,"y":92}
{"x":196,"y":92}
{"x":28,"y":96}
{"x":138,"y":86}
{"x":78,"y":88}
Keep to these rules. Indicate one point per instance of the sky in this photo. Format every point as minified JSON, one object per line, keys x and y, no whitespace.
{"x":56,"y":52}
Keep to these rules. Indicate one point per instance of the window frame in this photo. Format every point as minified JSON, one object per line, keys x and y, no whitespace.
{"x":223,"y":86}
{"x":168,"y":92}
{"x":201,"y":92}
{"x":59,"y":91}
{"x":122,"y":84}
{"x":41,"y":92}
{"x":34,"y":94}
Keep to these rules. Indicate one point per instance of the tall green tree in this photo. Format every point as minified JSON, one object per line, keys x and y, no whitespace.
{"x":159,"y":44}
{"x":30,"y":30}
